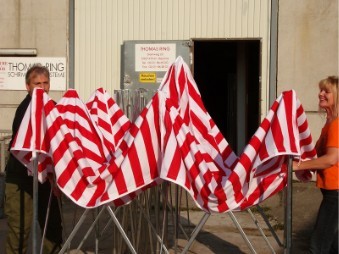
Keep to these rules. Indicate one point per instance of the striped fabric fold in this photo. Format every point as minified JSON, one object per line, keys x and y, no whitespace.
{"x":98,"y":155}
{"x":195,"y":150}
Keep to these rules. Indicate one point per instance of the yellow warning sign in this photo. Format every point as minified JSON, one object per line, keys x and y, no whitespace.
{"x":147,"y":77}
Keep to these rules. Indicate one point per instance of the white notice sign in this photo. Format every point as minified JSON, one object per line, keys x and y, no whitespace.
{"x":13,"y":71}
{"x":154,"y":57}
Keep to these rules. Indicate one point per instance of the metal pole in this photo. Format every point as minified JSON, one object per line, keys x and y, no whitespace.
{"x":263,"y":215}
{"x":74,"y":231}
{"x":273,"y":51}
{"x":3,"y":155}
{"x":288,"y":209}
{"x":256,"y":222}
{"x":176,"y":221}
{"x":71,"y":44}
{"x":196,"y":232}
{"x":158,"y":238}
{"x":46,"y":220}
{"x":243,"y":234}
{"x":95,"y":222}
{"x":121,"y":230}
{"x":35,"y":204}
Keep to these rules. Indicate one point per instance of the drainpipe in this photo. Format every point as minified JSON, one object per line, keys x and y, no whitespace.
{"x":71,"y":31}
{"x":273,"y":51}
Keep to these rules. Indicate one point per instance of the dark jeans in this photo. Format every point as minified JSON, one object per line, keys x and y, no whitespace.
{"x":325,"y":235}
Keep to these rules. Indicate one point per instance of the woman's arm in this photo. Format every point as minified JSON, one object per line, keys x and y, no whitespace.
{"x":326,"y":161}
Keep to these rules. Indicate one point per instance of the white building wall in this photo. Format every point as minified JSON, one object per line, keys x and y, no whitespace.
{"x":38,"y":24}
{"x":307,"y":39}
{"x":101,"y":27}
{"x":308,"y":51}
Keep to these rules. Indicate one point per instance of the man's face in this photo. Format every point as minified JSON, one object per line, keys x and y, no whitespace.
{"x":38,"y":81}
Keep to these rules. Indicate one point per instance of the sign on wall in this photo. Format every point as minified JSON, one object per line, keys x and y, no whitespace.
{"x":13,"y":71}
{"x":144,"y":63}
{"x":154,"y":57}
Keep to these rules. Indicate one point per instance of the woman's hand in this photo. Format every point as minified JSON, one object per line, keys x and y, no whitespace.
{"x":302,"y":174}
{"x":295,"y":165}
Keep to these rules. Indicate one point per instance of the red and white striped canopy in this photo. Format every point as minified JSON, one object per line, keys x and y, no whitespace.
{"x":98,"y":155}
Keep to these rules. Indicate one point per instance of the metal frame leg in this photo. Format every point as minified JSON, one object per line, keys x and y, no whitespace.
{"x":260,"y":210}
{"x":244,"y":236}
{"x":35,"y":204}
{"x":288,"y":209}
{"x":121,"y":230}
{"x":74,"y":231}
{"x":160,"y":240}
{"x":256,"y":222}
{"x":196,"y":231}
{"x":46,"y":220}
{"x":90,"y":230}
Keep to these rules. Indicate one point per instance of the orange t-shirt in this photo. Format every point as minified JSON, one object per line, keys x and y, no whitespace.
{"x":328,"y":178}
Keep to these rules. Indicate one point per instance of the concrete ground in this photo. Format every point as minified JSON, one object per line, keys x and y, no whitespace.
{"x":218,"y":235}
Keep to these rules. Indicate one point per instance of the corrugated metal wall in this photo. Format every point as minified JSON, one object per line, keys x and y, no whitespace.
{"x":101,"y":27}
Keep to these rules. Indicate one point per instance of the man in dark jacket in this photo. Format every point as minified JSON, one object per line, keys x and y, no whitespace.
{"x":19,"y":186}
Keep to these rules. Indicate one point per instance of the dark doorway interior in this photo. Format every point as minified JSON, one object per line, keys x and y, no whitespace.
{"x":227,"y":73}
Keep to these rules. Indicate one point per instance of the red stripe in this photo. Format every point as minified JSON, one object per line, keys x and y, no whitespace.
{"x":226,"y":154}
{"x":172,"y":88}
{"x":219,"y":138}
{"x":100,"y":188}
{"x":245,"y":161}
{"x":277,"y":135}
{"x":237,"y":187}
{"x":79,"y":188}
{"x":263,"y":169}
{"x":147,"y":138}
{"x":104,"y":125}
{"x":261,"y":189}
{"x":117,"y":116}
{"x":288,"y":102}
{"x":28,"y":136}
{"x":156,"y":116}
{"x":135,"y":165}
{"x":168,"y":72}
{"x":195,"y":120}
{"x":68,"y":171}
{"x":72,"y":109}
{"x":204,"y":193}
{"x":303,"y":127}
{"x":104,"y":197}
{"x":220,"y":194}
{"x":300,"y":111}
{"x":174,"y":167}
{"x":63,"y":146}
{"x":187,"y":182}
{"x":118,"y":176}
{"x":182,"y":80}
{"x":120,"y":134}
{"x":38,"y":117}
{"x":256,"y":143}
{"x":194,"y":95}
{"x":263,"y":153}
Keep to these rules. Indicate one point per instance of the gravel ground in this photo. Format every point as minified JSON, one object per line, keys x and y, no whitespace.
{"x":218,"y":235}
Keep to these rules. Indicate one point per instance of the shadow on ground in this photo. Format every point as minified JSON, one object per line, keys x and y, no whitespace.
{"x":218,"y":235}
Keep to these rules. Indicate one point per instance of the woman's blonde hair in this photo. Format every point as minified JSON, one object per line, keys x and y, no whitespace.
{"x":331,"y":84}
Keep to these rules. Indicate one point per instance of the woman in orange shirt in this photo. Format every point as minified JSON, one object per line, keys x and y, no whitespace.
{"x":324,"y":238}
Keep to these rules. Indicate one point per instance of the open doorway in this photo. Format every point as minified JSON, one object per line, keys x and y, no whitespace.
{"x":227,"y":73}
